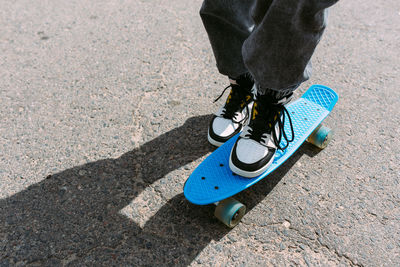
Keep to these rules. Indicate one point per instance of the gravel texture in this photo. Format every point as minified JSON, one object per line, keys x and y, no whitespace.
{"x":104,"y":110}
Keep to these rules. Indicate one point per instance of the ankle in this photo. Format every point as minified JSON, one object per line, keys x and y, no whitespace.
{"x":245,"y":80}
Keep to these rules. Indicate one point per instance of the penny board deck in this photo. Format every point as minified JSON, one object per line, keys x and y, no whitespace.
{"x":213,"y":181}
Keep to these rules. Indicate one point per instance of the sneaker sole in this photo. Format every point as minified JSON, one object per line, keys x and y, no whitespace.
{"x":248,"y":174}
{"x":213,"y":142}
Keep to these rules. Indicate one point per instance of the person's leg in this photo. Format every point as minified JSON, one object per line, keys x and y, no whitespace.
{"x":286,"y":33}
{"x":228,"y":23}
{"x":277,"y":54}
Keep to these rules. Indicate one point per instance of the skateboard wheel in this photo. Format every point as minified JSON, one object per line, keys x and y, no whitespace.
{"x":230,"y":211}
{"x":320,"y":137}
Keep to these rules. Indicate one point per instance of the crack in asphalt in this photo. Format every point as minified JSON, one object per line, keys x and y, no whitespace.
{"x":332,"y":250}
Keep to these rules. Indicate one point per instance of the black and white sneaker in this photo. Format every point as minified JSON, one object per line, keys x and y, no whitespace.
{"x":231,"y":117}
{"x":255,"y":149}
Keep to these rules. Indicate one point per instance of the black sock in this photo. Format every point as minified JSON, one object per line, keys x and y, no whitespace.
{"x":245,"y":80}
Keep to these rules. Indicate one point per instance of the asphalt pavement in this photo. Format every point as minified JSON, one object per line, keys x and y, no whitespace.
{"x":104,"y":113}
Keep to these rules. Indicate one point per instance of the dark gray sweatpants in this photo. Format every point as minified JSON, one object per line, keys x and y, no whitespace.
{"x":272,"y":39}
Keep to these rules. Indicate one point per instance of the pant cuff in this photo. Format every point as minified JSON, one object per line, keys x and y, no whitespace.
{"x":276,"y":93}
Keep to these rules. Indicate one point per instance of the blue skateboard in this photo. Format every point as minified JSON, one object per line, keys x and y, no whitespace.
{"x":213,"y":181}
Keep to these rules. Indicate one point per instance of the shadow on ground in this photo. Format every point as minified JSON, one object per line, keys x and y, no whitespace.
{"x":73,"y":217}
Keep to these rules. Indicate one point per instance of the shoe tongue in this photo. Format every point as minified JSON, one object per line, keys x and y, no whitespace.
{"x":237,"y":89}
{"x":265,"y":110}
